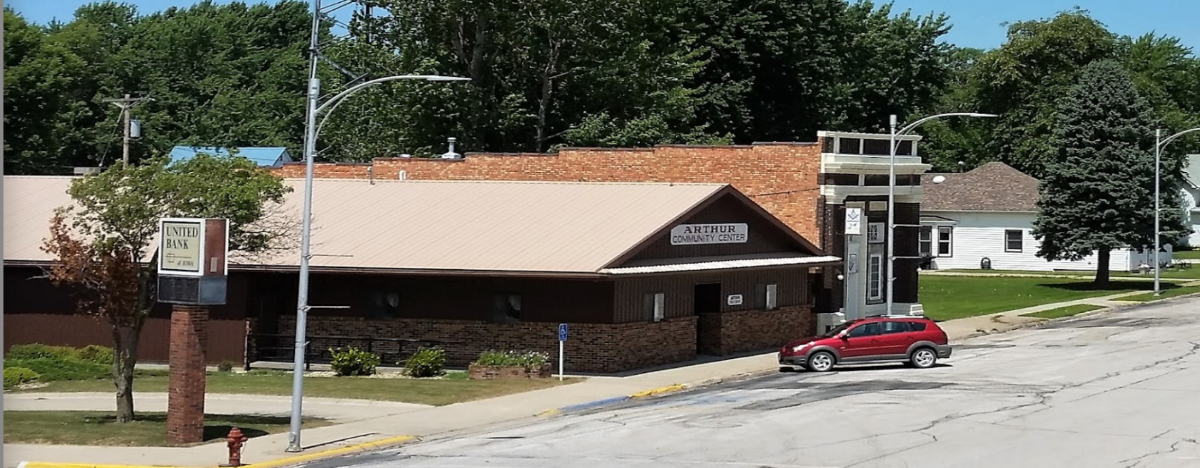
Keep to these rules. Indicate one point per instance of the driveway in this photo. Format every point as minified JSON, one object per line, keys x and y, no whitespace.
{"x":1113,"y":390}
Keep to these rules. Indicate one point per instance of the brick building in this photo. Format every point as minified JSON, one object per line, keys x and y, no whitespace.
{"x":806,"y":185}
{"x":644,"y":273}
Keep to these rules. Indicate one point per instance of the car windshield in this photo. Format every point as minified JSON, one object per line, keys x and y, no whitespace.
{"x":838,"y":329}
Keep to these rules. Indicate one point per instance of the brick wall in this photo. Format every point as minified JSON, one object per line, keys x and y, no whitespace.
{"x":603,"y":348}
{"x":782,"y":177}
{"x":754,"y":330}
{"x":186,"y":384}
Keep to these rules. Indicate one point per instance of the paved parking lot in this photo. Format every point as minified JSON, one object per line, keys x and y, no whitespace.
{"x":1118,"y":389}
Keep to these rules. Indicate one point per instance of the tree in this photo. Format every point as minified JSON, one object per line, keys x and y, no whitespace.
{"x":1098,"y":194}
{"x":102,"y":244}
{"x":37,"y":76}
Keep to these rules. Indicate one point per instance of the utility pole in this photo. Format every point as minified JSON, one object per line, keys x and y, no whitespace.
{"x":126,"y":104}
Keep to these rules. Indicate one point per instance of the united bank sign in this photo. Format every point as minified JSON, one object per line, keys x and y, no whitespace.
{"x":192,"y":260}
{"x":700,"y":234}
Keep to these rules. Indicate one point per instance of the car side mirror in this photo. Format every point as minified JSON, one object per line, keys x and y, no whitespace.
{"x":844,"y":335}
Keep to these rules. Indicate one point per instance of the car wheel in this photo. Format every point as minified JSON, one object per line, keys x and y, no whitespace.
{"x":923,"y":358}
{"x":820,"y":361}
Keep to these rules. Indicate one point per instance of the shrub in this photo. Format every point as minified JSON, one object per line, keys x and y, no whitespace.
{"x":40,"y":351}
{"x":353,"y":361}
{"x":426,"y":362}
{"x":225,"y":366}
{"x":14,"y":376}
{"x":50,"y":369}
{"x":97,"y":354}
{"x":527,"y":359}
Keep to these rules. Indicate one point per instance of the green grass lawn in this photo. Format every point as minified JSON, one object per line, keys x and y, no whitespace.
{"x":952,"y":297}
{"x":1166,"y":274}
{"x":147,"y":429}
{"x":1166,"y":293}
{"x":1064,"y":311}
{"x":453,"y":388}
{"x":1188,"y":254}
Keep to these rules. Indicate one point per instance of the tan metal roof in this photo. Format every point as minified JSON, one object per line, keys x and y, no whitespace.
{"x":29,"y":203}
{"x":431,"y":225}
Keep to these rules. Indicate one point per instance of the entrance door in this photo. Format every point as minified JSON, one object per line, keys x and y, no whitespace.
{"x":708,"y":298}
{"x":706,"y":304}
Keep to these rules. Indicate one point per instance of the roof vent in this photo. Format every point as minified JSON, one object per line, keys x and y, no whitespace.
{"x":406,"y":155}
{"x":451,"y":154}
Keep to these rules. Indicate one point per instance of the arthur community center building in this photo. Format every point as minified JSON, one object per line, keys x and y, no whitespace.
{"x":651,"y":256}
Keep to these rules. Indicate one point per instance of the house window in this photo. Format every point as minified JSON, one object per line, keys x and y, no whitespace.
{"x":766,"y":297}
{"x":385,"y":305}
{"x":875,"y":277}
{"x":507,"y":308}
{"x":1013,"y":240}
{"x":654,"y":306}
{"x":874,"y":233}
{"x":926,"y":241}
{"x":945,"y":241}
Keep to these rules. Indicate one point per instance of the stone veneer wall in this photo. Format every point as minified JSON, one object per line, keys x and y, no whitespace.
{"x":601,"y":348}
{"x":754,"y":330}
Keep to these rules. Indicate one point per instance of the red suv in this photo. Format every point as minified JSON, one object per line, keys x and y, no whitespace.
{"x":917,"y":341}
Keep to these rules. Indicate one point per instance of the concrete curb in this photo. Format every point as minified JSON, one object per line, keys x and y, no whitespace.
{"x":287,"y":461}
{"x":661,"y":391}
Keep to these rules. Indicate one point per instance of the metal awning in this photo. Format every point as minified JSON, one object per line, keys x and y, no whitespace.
{"x":721,"y":265}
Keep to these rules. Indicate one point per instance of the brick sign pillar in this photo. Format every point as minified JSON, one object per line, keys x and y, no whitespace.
{"x":185,"y":398}
{"x":192,"y":273}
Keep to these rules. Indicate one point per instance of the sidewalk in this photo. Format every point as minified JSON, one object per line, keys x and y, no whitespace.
{"x":365,"y":422}
{"x":387,"y":421}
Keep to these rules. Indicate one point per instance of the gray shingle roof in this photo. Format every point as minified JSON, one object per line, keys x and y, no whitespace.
{"x":994,"y":186}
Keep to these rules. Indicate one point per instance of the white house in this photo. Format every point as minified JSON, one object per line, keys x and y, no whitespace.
{"x":1191,"y":198}
{"x":984,"y":219}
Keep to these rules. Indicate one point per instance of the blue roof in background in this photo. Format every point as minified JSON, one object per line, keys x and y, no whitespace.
{"x":263,"y":156}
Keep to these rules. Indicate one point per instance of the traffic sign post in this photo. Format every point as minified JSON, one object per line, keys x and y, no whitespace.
{"x":562,"y":339}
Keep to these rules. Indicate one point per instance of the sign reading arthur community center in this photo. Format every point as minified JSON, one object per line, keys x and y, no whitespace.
{"x":698,"y":234}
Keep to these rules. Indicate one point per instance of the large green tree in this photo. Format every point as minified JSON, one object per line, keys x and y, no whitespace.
{"x":102,"y":243}
{"x":220,"y":75}
{"x":1097,"y":194}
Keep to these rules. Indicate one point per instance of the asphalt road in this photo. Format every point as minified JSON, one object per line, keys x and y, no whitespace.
{"x":1120,"y":389}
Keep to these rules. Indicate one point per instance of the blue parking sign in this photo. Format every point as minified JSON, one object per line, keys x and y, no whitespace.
{"x":562,"y":332}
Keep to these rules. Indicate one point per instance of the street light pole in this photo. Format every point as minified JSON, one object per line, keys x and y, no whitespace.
{"x":891,"y":205}
{"x":1159,"y":144}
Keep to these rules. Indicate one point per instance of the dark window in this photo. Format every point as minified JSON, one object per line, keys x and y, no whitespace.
{"x":926,"y":240}
{"x":827,"y":145}
{"x":895,"y":327}
{"x":766,"y":297}
{"x":850,"y":146}
{"x":904,"y":148}
{"x":876,"y":147}
{"x":866,"y":329}
{"x":654,"y":306}
{"x":916,"y":326}
{"x":945,"y":241}
{"x":506,"y":308}
{"x":876,"y":180}
{"x":841,"y":179}
{"x":1013,"y":240}
{"x":385,"y":305}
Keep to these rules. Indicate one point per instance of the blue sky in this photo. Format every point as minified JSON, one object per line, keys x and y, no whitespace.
{"x":977,"y":23}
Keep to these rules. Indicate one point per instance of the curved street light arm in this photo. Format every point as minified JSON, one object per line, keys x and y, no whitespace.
{"x":1171,"y":138}
{"x":913,"y":125}
{"x":353,"y":89}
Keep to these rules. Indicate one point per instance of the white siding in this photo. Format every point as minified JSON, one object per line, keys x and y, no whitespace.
{"x":981,"y":234}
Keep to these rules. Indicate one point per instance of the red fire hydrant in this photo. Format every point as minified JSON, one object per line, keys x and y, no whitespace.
{"x":235,"y":441}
